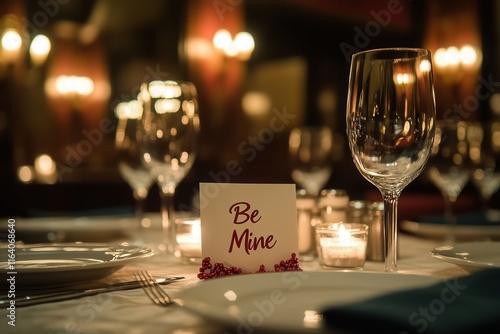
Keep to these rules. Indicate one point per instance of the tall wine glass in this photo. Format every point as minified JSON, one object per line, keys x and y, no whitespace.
{"x":310,"y":153}
{"x":168,"y":136}
{"x":129,"y":163}
{"x":485,"y":161}
{"x":449,"y":166}
{"x":390,"y":124}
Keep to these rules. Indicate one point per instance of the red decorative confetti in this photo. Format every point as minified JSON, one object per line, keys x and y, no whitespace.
{"x":207,"y":270}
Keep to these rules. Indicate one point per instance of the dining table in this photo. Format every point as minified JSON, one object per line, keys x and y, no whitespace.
{"x":131,"y":311}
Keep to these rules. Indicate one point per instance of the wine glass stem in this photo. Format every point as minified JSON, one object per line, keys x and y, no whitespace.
{"x":450,"y":218}
{"x":391,"y":236}
{"x":167,"y":220}
{"x":139,"y":198}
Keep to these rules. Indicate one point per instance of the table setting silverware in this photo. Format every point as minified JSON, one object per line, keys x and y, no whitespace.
{"x":153,"y":289}
{"x":36,"y":297}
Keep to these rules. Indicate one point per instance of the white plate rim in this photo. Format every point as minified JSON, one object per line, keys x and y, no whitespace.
{"x":135,"y":253}
{"x":199,"y":298}
{"x":437,"y":230}
{"x":444,"y":253}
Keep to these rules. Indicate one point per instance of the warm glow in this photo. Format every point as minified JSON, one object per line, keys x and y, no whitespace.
{"x":440,"y":57}
{"x":163,"y":106}
{"x":244,"y":42}
{"x":468,"y":55}
{"x":45,"y":169}
{"x":242,"y":46}
{"x":344,"y":235}
{"x":425,"y":66}
{"x":256,"y":103}
{"x":166,"y":89}
{"x":453,"y":56}
{"x":44,"y":164}
{"x":39,"y":49}
{"x":74,"y":85}
{"x":11,"y":40}
{"x":25,"y":174}
{"x":403,"y":78}
{"x":494,"y":103}
{"x":128,"y":110}
{"x":222,"y":39}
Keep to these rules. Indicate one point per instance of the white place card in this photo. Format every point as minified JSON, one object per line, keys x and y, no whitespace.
{"x":246,"y":225}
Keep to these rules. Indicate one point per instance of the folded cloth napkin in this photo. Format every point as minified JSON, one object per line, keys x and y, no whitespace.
{"x":469,"y":304}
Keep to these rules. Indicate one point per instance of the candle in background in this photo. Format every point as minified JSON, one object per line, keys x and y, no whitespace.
{"x":188,"y":239}
{"x":342,"y":245}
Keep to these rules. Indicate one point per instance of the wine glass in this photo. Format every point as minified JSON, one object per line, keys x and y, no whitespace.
{"x":449,"y":166}
{"x":390,"y":124}
{"x":168,"y":136}
{"x":129,"y":163}
{"x":485,"y":164}
{"x":310,"y":153}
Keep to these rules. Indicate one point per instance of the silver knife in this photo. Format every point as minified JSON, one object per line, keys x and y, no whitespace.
{"x":55,"y":296}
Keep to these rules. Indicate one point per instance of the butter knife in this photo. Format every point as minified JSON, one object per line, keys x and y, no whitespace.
{"x":44,"y":297}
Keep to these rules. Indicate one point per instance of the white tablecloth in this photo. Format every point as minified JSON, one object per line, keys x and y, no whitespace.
{"x":132,"y":312}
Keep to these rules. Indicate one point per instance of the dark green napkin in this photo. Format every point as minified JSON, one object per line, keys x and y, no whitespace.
{"x":469,"y":304}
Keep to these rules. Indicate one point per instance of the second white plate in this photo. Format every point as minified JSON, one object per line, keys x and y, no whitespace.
{"x":66,"y":263}
{"x":290,"y":302}
{"x":471,"y":256}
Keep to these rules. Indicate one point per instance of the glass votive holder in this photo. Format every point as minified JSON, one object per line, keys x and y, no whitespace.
{"x":188,"y":239}
{"x":341,"y":245}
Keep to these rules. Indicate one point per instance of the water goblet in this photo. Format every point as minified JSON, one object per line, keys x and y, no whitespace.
{"x":168,"y":137}
{"x":449,"y":167}
{"x":310,"y":153}
{"x":390,"y":124}
{"x":129,"y":163}
{"x":485,"y":161}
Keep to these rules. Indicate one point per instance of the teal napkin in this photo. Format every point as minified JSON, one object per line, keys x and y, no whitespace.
{"x":469,"y":304}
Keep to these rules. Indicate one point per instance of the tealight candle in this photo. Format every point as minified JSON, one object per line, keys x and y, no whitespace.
{"x":342,"y":245}
{"x":188,"y":238}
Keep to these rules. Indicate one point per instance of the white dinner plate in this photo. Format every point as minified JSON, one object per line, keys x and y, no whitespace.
{"x":290,"y":302}
{"x":67,"y":263}
{"x":471,"y":256}
{"x":71,"y":229}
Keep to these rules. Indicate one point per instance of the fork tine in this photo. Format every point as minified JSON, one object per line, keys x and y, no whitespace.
{"x":153,"y":289}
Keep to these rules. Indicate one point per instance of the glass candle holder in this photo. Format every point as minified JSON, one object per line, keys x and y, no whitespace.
{"x":342,"y":245}
{"x":188,"y":239}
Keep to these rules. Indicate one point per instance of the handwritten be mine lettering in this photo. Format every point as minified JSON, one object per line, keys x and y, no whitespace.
{"x":243,"y":214}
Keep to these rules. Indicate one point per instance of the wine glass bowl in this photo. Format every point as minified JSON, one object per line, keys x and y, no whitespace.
{"x":449,"y":165}
{"x":390,"y":124}
{"x":168,"y":138}
{"x":485,"y":157}
{"x":310,"y":155}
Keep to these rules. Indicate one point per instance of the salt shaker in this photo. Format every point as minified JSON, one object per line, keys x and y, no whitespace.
{"x":306,"y":220}
{"x":371,"y":214}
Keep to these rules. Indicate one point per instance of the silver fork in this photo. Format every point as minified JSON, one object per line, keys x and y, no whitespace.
{"x":153,"y":290}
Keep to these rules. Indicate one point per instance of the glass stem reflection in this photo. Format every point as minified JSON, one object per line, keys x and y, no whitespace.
{"x":140,"y":196}
{"x":449,"y":216}
{"x":167,"y":217}
{"x":390,"y":224}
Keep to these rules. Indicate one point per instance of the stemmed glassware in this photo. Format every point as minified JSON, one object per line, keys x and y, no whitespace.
{"x":390,"y":124}
{"x":310,"y":152}
{"x":449,"y":166}
{"x":485,"y":161}
{"x":168,"y":137}
{"x":129,"y":163}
